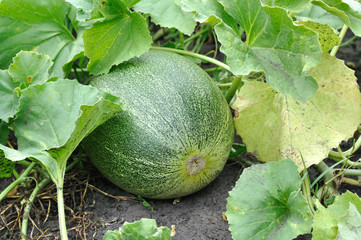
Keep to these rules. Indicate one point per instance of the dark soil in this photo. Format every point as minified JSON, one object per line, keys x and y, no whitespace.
{"x":91,"y":213}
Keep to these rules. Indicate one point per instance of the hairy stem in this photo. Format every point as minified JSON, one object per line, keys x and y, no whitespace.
{"x":349,"y":172}
{"x":43,"y":183}
{"x":24,"y":224}
{"x":61,"y":210}
{"x":18,"y":181}
{"x":306,"y":190}
{"x":192,"y":54}
{"x":237,"y":82}
{"x":351,"y":181}
{"x":354,"y":148}
{"x":341,"y":35}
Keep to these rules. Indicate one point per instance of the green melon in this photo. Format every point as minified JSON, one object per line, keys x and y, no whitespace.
{"x":175,"y":133}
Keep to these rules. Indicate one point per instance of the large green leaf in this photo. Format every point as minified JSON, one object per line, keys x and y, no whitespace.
{"x":55,"y":117}
{"x":275,"y":44}
{"x":348,"y":11}
{"x":168,"y":13}
{"x":84,"y":8}
{"x":319,"y":15}
{"x":290,"y":5}
{"x":266,"y":203}
{"x":120,"y":36}
{"x":340,"y":220}
{"x":209,"y":11}
{"x":274,"y":126}
{"x":42,"y":25}
{"x":28,"y":69}
{"x":143,"y":229}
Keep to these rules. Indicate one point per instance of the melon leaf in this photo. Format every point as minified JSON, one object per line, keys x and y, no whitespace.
{"x":281,"y":49}
{"x":168,"y":13}
{"x":58,"y":115}
{"x":4,"y":132}
{"x":327,"y":37}
{"x":84,"y":8}
{"x":6,"y":166}
{"x":348,"y":11}
{"x":293,"y":6}
{"x":42,"y":25}
{"x":143,"y":229}
{"x":319,"y":15}
{"x":122,"y":34}
{"x":350,"y":226}
{"x":28,"y":68}
{"x":274,"y":126}
{"x":340,"y":220}
{"x":209,"y":11}
{"x":266,"y":203}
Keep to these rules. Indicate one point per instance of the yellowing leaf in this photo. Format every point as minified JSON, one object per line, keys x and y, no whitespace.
{"x":327,"y":37}
{"x":275,"y":127}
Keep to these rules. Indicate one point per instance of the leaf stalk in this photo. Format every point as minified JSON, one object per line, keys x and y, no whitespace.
{"x":18,"y":181}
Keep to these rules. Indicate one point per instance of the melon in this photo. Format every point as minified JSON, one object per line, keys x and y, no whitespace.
{"x":174,"y":134}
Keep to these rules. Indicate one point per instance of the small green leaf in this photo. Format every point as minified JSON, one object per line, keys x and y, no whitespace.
{"x":28,"y":68}
{"x":44,"y":26}
{"x":143,"y":229}
{"x":342,"y":219}
{"x":266,"y":203}
{"x":290,"y":5}
{"x":168,"y":13}
{"x":4,"y":132}
{"x":6,"y":166}
{"x":112,"y":235}
{"x":327,"y":37}
{"x":348,"y":11}
{"x":120,"y":36}
{"x":274,"y":126}
{"x":274,"y":44}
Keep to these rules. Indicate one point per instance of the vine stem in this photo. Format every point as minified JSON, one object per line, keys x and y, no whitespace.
{"x":306,"y":190}
{"x":232,"y":90}
{"x":61,"y":210}
{"x":24,"y":224}
{"x":333,"y":154}
{"x":341,"y":35}
{"x":18,"y":181}
{"x":192,"y":54}
{"x":43,"y":183}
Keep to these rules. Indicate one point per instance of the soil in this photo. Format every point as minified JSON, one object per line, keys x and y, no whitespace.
{"x":90,"y":213}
